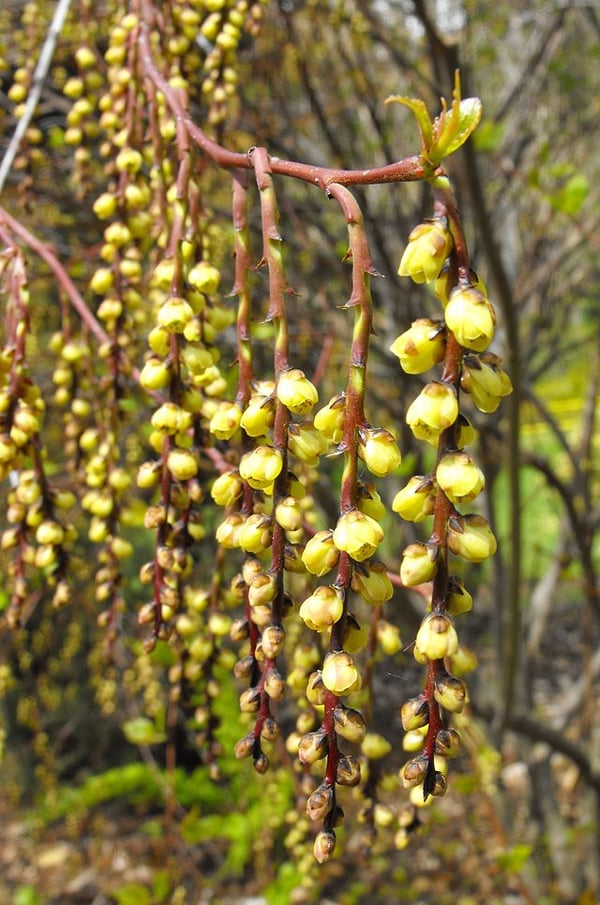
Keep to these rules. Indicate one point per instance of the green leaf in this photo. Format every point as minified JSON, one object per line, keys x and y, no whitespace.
{"x":451,"y":129}
{"x":571,"y":196}
{"x":142,"y":731}
{"x":133,"y":894}
{"x":422,"y":116}
{"x":515,"y":858}
{"x":469,"y":115}
{"x":26,"y":895}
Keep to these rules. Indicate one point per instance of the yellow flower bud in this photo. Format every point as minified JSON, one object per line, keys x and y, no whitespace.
{"x":484,"y":379}
{"x":447,"y":743}
{"x":459,"y":477}
{"x":372,"y":582}
{"x":174,"y":314}
{"x":421,"y":346}
{"x":415,"y":501}
{"x":413,"y":772}
{"x":261,"y":589}
{"x":329,"y":420}
{"x":306,"y":443}
{"x":437,"y":637}
{"x":261,"y":466}
{"x":340,"y":674}
{"x":50,"y":532}
{"x":463,"y":660}
{"x":419,"y":563}
{"x":313,"y":747}
{"x":355,"y":635}
{"x":434,"y":410}
{"x":171,"y":419}
{"x":322,"y":609}
{"x":428,"y":247}
{"x":379,"y":451}
{"x":349,"y":723}
{"x":471,"y":318}
{"x":182,"y":464}
{"x":320,"y":803}
{"x":450,"y":692}
{"x":105,"y":206}
{"x":315,"y":690}
{"x":227,"y":488}
{"x":273,"y":640}
{"x":324,"y":846}
{"x":288,"y":514}
{"x":369,"y":501}
{"x":375,"y":746}
{"x":225,"y":420}
{"x":155,"y":375}
{"x":296,"y":392}
{"x":357,"y":534}
{"x":258,"y":417}
{"x":388,"y":637}
{"x":255,"y":534}
{"x":471,"y":537}
{"x":320,"y":554}
{"x":415,"y":713}
{"x":228,"y":532}
{"x":459,"y":600}
{"x":348,"y":771}
{"x":204,"y":277}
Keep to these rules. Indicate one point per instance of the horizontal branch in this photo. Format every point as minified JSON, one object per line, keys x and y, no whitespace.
{"x":410,"y":169}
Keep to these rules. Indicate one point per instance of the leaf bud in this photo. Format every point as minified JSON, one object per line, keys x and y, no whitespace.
{"x":261,"y":466}
{"x":421,"y":346}
{"x":416,"y":500}
{"x":428,"y":247}
{"x":470,"y":317}
{"x":313,"y":747}
{"x":324,"y":846}
{"x":349,"y":723}
{"x":320,"y":802}
{"x":372,"y":582}
{"x":379,"y":451}
{"x":340,"y":674}
{"x":437,"y":637}
{"x":320,"y":554}
{"x":415,"y":713}
{"x":419,"y":563}
{"x":348,"y":771}
{"x":471,"y":537}
{"x":296,"y":391}
{"x":459,"y":477}
{"x":434,"y":410}
{"x":323,"y":608}
{"x":375,"y":746}
{"x":357,"y":534}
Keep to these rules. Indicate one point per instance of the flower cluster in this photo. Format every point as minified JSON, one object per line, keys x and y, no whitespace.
{"x":460,"y":340}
